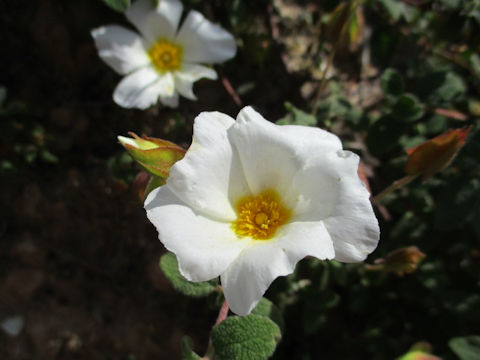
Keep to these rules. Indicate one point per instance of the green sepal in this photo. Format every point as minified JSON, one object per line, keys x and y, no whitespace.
{"x":187,"y":352}
{"x":251,"y":337}
{"x":169,"y":266}
{"x":154,"y":183}
{"x":118,"y":5}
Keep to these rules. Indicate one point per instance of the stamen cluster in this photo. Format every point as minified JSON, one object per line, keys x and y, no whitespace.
{"x":260,"y":216}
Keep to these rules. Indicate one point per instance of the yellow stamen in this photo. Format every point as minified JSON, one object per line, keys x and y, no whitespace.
{"x":260,"y":216}
{"x":166,"y":56}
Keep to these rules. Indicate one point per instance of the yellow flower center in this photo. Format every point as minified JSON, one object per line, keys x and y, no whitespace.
{"x":260,"y":216}
{"x":166,"y":56}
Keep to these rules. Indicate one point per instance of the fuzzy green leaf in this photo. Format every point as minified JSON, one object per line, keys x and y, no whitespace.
{"x":408,"y":108}
{"x":169,"y":265}
{"x":266,"y":308}
{"x":296,"y":116}
{"x":391,"y":82}
{"x":251,"y":337}
{"x":118,"y":5}
{"x":466,"y":348}
{"x":187,"y":352}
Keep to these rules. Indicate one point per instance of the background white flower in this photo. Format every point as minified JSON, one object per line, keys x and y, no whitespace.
{"x":161,"y":63}
{"x":251,"y":198}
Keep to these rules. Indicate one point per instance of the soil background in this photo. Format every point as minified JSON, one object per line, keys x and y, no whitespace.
{"x":78,"y":257}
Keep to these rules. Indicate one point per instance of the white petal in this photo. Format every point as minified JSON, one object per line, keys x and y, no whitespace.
{"x":122,"y":49}
{"x":170,"y":101}
{"x":247,"y":279}
{"x":330,"y":190}
{"x":190,"y":73}
{"x":155,"y":22}
{"x":267,"y":155}
{"x":204,"y":41}
{"x":139,"y":90}
{"x":311,"y":141}
{"x":210,"y":175}
{"x":272,"y":155}
{"x":204,"y":247}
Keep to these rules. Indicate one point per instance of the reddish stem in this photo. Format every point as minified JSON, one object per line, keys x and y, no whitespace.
{"x":231,"y":91}
{"x":222,"y":314}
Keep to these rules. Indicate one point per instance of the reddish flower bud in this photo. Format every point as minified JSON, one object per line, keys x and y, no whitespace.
{"x":435,"y":154}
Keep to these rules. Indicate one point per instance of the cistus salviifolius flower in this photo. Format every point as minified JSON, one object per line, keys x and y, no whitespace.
{"x":163,"y":61}
{"x":251,"y":198}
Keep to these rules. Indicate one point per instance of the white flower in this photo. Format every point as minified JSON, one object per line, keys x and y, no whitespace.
{"x":251,"y":198}
{"x":163,"y":62}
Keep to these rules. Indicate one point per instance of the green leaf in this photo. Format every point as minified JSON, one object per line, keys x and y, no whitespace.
{"x":296,"y":116}
{"x":318,"y":303}
{"x":384,"y":135}
{"x":118,"y":5}
{"x":251,"y":337}
{"x":187,"y":352}
{"x":266,"y":308}
{"x":439,"y":87}
{"x":456,"y":203}
{"x":408,"y":108}
{"x":398,"y":9}
{"x":169,"y":265}
{"x":391,"y":82}
{"x":466,"y":348}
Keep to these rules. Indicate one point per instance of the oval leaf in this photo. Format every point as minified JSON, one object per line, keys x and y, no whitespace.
{"x":251,"y":337}
{"x":169,"y":265}
{"x":266,"y":308}
{"x":118,"y":5}
{"x":187,"y":352}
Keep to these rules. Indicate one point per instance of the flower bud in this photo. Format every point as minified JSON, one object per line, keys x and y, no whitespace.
{"x":435,"y":154}
{"x":156,"y":156}
{"x":419,"y":351}
{"x":402,"y":261}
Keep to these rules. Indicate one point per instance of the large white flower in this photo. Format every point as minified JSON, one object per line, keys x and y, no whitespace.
{"x":251,"y":198}
{"x":163,"y":62}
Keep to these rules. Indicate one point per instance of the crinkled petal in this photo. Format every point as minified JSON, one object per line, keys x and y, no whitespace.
{"x":272,"y":155}
{"x":205,"y":42}
{"x":311,"y":141}
{"x":155,"y":22}
{"x":209,"y":176}
{"x":267,"y":157}
{"x":344,"y":205}
{"x":190,"y":73}
{"x":247,"y":279}
{"x":122,"y":49}
{"x":204,"y":247}
{"x":139,"y":89}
